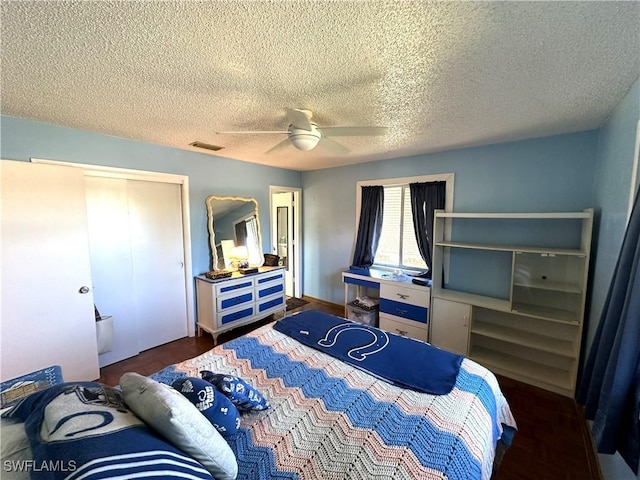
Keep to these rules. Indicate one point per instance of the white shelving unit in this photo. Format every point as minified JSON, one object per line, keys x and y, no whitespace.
{"x":534,"y":335}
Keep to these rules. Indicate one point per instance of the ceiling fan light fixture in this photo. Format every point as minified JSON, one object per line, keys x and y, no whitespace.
{"x":305,"y":135}
{"x":305,"y":140}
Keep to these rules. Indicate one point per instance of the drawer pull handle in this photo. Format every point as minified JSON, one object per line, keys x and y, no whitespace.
{"x":401,"y":311}
{"x":402,"y":296}
{"x":402,"y":332}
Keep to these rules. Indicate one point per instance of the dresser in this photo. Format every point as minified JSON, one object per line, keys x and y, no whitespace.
{"x":228,"y":303}
{"x":404,"y":306}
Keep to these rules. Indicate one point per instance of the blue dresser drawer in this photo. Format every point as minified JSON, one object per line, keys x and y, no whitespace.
{"x":228,"y":287}
{"x":270,"y":290}
{"x":237,"y":315}
{"x":232,"y":301}
{"x":272,"y":277}
{"x":275,"y":302}
{"x":404,"y":310}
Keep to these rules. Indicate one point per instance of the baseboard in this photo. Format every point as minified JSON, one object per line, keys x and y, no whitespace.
{"x":590,"y":446}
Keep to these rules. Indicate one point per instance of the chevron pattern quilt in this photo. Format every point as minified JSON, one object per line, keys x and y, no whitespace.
{"x":329,"y":420}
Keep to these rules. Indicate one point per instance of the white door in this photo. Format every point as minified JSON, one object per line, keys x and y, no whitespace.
{"x":282,"y":236}
{"x":112,"y":263}
{"x":46,"y":292}
{"x":155,"y":214}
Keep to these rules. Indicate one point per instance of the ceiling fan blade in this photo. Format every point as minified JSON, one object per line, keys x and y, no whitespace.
{"x":333,"y":146}
{"x":299,"y":118}
{"x":252,"y":132}
{"x":278,"y":146}
{"x":354,"y":131}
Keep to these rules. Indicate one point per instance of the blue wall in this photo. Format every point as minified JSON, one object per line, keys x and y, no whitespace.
{"x":208,"y":175}
{"x":545,"y":174}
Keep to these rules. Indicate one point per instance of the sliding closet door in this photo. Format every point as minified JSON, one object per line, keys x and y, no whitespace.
{"x":46,"y":302}
{"x":155,"y":215}
{"x":137,"y":262}
{"x":112,"y":263}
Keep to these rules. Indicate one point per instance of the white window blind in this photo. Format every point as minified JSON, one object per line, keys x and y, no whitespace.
{"x":255,"y":255}
{"x":398,"y":246}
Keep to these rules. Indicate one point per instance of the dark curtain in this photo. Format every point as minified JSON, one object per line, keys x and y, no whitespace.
{"x":370,"y":226}
{"x":610,"y":383}
{"x":241,"y":233}
{"x":425,"y":198}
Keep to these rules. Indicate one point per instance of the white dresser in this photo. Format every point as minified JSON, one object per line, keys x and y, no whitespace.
{"x":231,"y":302}
{"x":404,"y":306}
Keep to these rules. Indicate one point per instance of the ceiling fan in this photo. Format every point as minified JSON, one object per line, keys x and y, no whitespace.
{"x":306,"y":135}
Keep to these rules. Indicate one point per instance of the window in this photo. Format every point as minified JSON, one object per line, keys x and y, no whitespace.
{"x":255,"y":255}
{"x":398,"y":246}
{"x":247,"y":234}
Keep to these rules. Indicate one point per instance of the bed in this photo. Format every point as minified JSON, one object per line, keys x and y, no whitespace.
{"x":332,"y":417}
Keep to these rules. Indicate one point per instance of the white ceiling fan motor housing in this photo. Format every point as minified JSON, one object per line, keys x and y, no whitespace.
{"x":304,"y":139}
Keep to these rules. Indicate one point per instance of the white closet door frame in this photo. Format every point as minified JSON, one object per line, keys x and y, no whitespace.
{"x":130,"y":174}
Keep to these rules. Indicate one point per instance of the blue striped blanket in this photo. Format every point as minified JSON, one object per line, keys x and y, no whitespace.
{"x":330,"y":420}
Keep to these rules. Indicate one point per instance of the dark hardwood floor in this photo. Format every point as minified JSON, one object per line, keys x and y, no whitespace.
{"x":552,"y":442}
{"x":150,"y":361}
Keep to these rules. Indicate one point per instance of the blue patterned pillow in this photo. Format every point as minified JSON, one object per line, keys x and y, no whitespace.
{"x":211,"y":402}
{"x":242,"y":395}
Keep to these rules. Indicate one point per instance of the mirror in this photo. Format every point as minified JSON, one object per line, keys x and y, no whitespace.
{"x":234,"y":222}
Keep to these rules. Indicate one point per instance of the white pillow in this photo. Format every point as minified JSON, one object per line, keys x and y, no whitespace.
{"x":180,"y":422}
{"x":14,"y":448}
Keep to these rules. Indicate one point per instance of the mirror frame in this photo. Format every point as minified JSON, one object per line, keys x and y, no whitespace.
{"x":212,"y":236}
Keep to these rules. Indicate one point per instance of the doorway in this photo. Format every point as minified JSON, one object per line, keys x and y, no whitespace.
{"x":286,"y":238}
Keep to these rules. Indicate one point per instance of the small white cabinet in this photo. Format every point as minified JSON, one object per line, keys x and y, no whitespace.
{"x":450,"y":325}
{"x":228,"y":303}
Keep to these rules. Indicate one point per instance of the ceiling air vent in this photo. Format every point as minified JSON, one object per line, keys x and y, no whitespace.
{"x":206,"y":146}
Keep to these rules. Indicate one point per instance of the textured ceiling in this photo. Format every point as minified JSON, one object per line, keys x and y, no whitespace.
{"x":440,"y":75}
